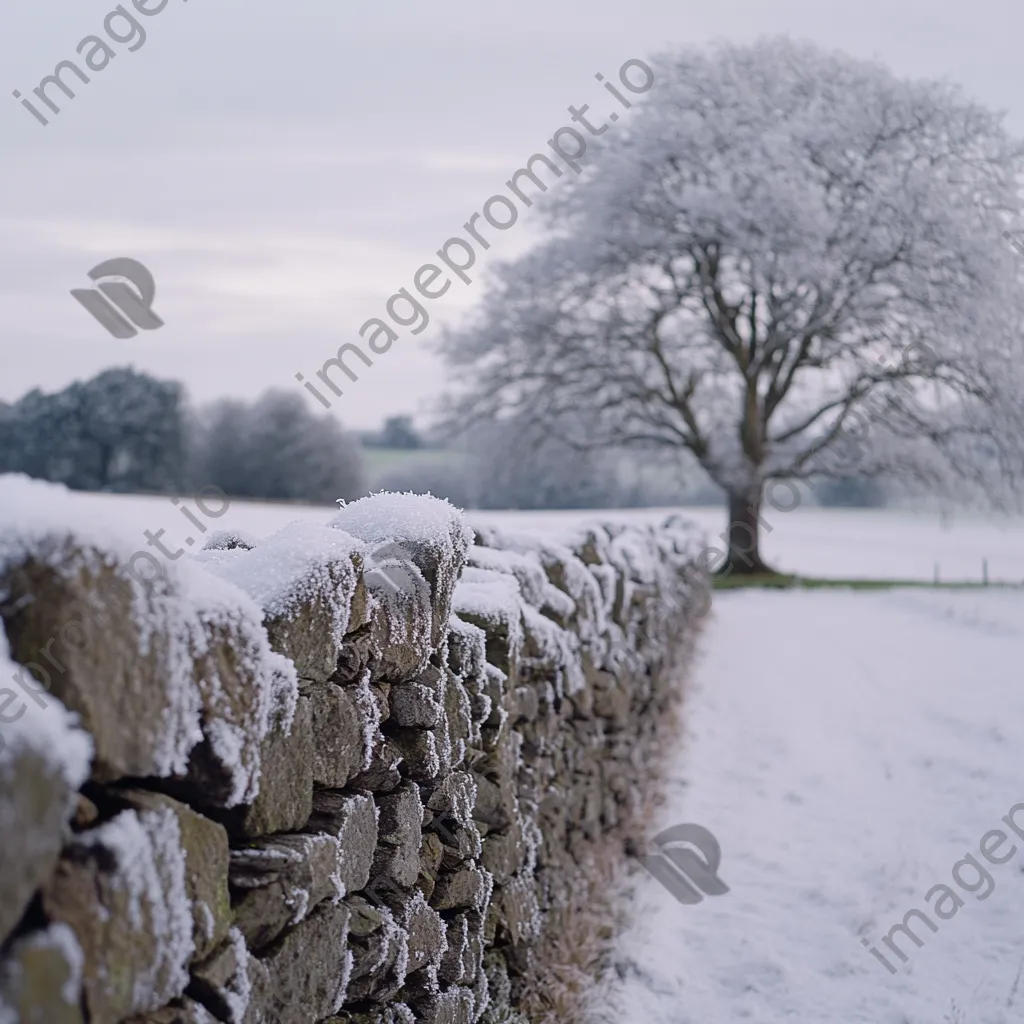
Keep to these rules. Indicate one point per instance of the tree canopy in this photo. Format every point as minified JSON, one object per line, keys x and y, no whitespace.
{"x":780,"y":244}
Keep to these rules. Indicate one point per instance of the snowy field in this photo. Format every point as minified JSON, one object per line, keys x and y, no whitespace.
{"x":847,"y":749}
{"x":813,"y":541}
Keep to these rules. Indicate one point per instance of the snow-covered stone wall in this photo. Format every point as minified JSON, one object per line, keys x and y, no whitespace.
{"x":345,"y":773}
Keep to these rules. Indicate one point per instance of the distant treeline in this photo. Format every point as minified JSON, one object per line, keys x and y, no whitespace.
{"x":127,"y":431}
{"x":130,"y":432}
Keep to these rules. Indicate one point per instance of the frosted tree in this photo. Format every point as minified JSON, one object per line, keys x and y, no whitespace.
{"x":276,"y":448}
{"x":120,"y":431}
{"x":788,"y":263}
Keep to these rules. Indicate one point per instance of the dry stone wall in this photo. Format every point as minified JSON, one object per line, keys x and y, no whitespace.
{"x":344,"y":773}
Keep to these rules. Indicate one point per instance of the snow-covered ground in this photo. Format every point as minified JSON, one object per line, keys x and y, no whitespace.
{"x":813,"y":541}
{"x":846,"y":543}
{"x":847,"y":749}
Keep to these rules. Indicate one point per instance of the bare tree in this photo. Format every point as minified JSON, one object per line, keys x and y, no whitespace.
{"x":276,"y":448}
{"x":782,"y":243}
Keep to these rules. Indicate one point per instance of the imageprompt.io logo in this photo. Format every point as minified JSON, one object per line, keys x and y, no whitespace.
{"x":391,"y":570}
{"x":676,"y":865}
{"x":133,"y":305}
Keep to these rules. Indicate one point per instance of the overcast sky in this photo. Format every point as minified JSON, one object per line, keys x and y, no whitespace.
{"x":283,"y":168}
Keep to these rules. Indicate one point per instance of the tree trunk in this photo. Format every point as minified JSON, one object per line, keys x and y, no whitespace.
{"x":744,"y":555}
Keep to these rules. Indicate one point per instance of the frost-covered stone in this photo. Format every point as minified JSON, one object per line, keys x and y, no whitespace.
{"x":122,"y":890}
{"x":453,"y":1006}
{"x":43,"y":761}
{"x":397,"y":1013}
{"x":428,"y":533}
{"x":458,"y":725}
{"x":342,"y":726}
{"x":152,"y":668}
{"x":504,"y":854}
{"x":380,"y":952}
{"x":285,"y":798}
{"x":399,"y":835}
{"x":205,"y":845}
{"x":307,"y":580}
{"x":383,"y":773}
{"x":491,"y":600}
{"x":427,"y":935}
{"x":467,"y":887}
{"x":467,"y":648}
{"x":279,"y":880}
{"x":308,"y":969}
{"x":221,"y":982}
{"x":421,"y":752}
{"x":352,"y":821}
{"x":229,"y":540}
{"x":414,"y":706}
{"x":520,"y":910}
{"x":41,"y":978}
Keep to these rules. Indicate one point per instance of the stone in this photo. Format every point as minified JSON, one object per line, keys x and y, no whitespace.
{"x":37,"y":801}
{"x":379,"y":949}
{"x":352,"y":821}
{"x":186,"y":1012}
{"x":221,"y":982}
{"x":285,"y":800}
{"x":520,"y":911}
{"x":463,"y":960}
{"x":494,"y":802}
{"x":398,"y":632}
{"x":467,"y":887}
{"x":504,"y":854}
{"x":431,"y":855}
{"x":493,"y":686}
{"x":41,"y":978}
{"x":467,"y":648}
{"x":493,"y":603}
{"x":381,"y":694}
{"x":397,"y":1013}
{"x":86,"y":814}
{"x":121,"y":888}
{"x":459,"y":841}
{"x":122,"y":673}
{"x":434,"y":539}
{"x":612,"y":701}
{"x":453,"y":1006}
{"x":305,"y":636}
{"x":455,"y":797}
{"x":383,"y":774}
{"x":527,"y":703}
{"x":355,"y":656}
{"x":278,"y":880}
{"x":426,"y":931}
{"x":458,"y":718}
{"x":414,"y":706}
{"x":421,"y":759}
{"x":229,"y":540}
{"x":453,"y":969}
{"x":259,"y":1010}
{"x":307,"y":970}
{"x":307,"y":579}
{"x":205,"y":844}
{"x":399,"y":836}
{"x":495,"y":969}
{"x":339,"y":726}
